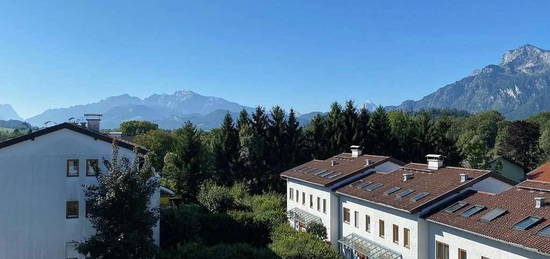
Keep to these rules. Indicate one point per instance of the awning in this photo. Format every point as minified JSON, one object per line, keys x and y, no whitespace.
{"x":299,"y":215}
{"x":368,"y":248}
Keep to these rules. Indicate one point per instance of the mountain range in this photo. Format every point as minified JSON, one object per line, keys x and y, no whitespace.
{"x":518,"y":87}
{"x":168,"y":110}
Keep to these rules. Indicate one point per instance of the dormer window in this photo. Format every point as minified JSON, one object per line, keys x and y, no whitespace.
{"x":92,"y":166}
{"x":73,"y":168}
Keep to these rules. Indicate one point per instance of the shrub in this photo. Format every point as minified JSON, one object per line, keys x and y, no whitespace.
{"x":220,"y":251}
{"x":317,"y":229}
{"x":214,"y":198}
{"x":289,"y":243}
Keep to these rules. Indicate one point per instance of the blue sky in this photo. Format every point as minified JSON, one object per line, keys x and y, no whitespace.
{"x":300,"y":54}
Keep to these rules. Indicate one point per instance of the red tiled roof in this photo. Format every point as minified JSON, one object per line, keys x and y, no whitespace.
{"x":542,"y":173}
{"x":345,"y":166}
{"x":519,"y":203}
{"x":438,"y":183}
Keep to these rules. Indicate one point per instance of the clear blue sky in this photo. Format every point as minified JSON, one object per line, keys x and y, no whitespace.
{"x":301,"y":54}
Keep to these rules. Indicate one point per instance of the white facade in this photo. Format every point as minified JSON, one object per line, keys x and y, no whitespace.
{"x":416,"y":226}
{"x":329,"y":218}
{"x":34,"y":191}
{"x":475,"y":245}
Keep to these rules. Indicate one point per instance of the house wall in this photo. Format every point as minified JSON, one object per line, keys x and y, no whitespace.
{"x":417,"y":227}
{"x":316,"y":191}
{"x":34,"y":190}
{"x":475,"y":246}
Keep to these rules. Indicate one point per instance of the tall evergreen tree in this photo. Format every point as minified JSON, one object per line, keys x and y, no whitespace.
{"x":225,"y":152}
{"x":379,"y":127}
{"x":278,"y":147}
{"x":317,"y":137}
{"x":120,"y":211}
{"x":362,"y":135}
{"x":425,"y":136}
{"x":190,"y":161}
{"x":295,"y":141}
{"x":243,"y":119}
{"x":349,"y":125}
{"x":335,"y":129}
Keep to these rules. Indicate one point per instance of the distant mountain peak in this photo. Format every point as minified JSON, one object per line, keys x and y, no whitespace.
{"x":527,"y":59}
{"x":517,"y":88}
{"x":8,"y":113}
{"x":184,"y":92}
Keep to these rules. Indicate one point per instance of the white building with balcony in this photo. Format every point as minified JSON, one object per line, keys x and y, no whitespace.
{"x":43,"y":210}
{"x":310,"y":187}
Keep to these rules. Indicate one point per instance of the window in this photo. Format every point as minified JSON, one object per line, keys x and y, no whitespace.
{"x":72,"y":168}
{"x":545,"y":232}
{"x":406,"y":238}
{"x":473,"y":210}
{"x":356,"y":219}
{"x":303,"y":198}
{"x":527,"y":222}
{"x":491,"y":215}
{"x":456,"y":206}
{"x":92,"y":167}
{"x":441,"y":251}
{"x":297,"y":195}
{"x":367,"y":223}
{"x":291,"y":194}
{"x":325,"y":206}
{"x":395,"y":234}
{"x":346,"y":215}
{"x":462,"y":254}
{"x":72,"y":209}
{"x":311,"y":201}
{"x":318,"y":204}
{"x":381,"y":228}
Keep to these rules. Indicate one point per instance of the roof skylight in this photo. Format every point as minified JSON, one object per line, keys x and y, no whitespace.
{"x":456,"y":206}
{"x":373,"y":187}
{"x":392,"y":190}
{"x":404,"y":193}
{"x":491,"y":215}
{"x":527,"y":222}
{"x":364,"y":184}
{"x":473,"y":210}
{"x":545,"y":232}
{"x":419,"y":196}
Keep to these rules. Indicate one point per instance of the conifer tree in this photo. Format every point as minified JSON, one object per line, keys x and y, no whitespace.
{"x":190,"y":161}
{"x":225,"y":152}
{"x":349,"y":125}
{"x":379,"y":127}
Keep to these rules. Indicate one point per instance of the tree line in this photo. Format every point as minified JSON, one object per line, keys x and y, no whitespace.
{"x":255,"y":148}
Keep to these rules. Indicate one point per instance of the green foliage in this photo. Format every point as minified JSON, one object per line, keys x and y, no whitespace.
{"x":544,"y":142}
{"x":120,"y":210}
{"x":134,"y":128}
{"x":317,"y":229}
{"x":159,"y":143}
{"x":519,"y":143}
{"x":219,"y":251}
{"x":379,"y":128}
{"x":225,"y":153}
{"x":214,"y":198}
{"x":475,"y":150}
{"x":289,"y":243}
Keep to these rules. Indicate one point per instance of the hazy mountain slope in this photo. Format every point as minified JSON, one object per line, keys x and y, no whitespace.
{"x":518,"y":87}
{"x":8,"y":113}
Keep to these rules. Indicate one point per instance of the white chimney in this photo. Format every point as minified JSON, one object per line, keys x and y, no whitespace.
{"x":463,"y":177}
{"x":539,"y":202}
{"x":368,"y":162}
{"x":332,"y":163}
{"x":356,"y":151}
{"x":407,"y":176}
{"x":93,"y":121}
{"x":434,"y":161}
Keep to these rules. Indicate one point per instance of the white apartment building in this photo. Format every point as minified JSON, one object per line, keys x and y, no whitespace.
{"x":43,"y":210}
{"x":310,"y":187}
{"x":513,"y":225}
{"x":383,"y":213}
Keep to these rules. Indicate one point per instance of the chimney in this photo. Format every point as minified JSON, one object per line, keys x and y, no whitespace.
{"x":407,"y":176}
{"x":539,"y":202}
{"x":463,"y":177}
{"x":83,"y":124}
{"x":368,"y":162}
{"x":356,"y":151}
{"x":93,"y":121}
{"x":434,"y":161}
{"x":332,"y":163}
